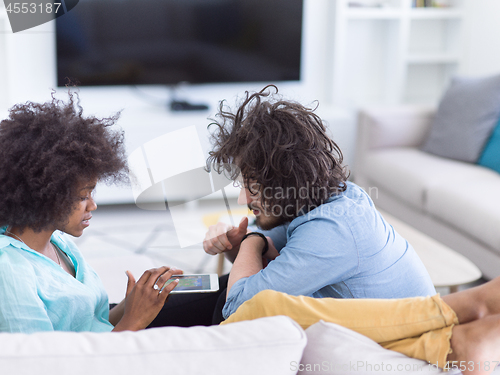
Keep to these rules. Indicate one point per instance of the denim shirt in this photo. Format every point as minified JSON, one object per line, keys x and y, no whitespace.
{"x":342,"y":249}
{"x":36,"y":294}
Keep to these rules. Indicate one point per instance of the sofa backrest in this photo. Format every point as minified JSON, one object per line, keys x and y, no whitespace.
{"x":382,"y":127}
{"x":263,"y":346}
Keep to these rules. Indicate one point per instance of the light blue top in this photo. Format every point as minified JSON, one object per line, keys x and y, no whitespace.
{"x":343,"y":249}
{"x":36,"y":294}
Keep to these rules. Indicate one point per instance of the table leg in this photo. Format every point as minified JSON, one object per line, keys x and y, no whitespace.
{"x":220,"y":264}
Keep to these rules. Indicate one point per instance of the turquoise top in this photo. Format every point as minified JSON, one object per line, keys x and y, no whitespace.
{"x":36,"y":294}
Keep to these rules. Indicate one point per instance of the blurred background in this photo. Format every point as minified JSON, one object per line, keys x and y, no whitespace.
{"x":152,"y":59}
{"x":139,"y":56}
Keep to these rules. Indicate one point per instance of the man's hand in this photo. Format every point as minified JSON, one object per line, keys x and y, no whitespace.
{"x":271,"y":253}
{"x":223,"y":237}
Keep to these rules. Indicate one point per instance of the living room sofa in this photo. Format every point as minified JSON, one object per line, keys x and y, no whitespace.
{"x":455,"y":202}
{"x":274,"y":346}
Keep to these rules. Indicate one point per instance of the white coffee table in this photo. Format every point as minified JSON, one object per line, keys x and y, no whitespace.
{"x":446,"y":267}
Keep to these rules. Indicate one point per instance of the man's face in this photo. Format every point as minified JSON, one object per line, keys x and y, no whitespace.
{"x":251,"y":196}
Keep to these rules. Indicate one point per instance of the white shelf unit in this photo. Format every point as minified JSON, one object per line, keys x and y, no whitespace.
{"x":394,"y":54}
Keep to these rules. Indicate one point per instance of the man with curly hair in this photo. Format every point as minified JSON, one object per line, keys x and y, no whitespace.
{"x":319,"y":233}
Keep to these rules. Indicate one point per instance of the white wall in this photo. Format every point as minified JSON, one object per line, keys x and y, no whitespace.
{"x":482,"y":37}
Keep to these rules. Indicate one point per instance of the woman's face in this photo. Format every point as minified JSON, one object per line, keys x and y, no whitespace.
{"x":79,"y":218}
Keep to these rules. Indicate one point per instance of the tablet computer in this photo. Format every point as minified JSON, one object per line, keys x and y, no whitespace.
{"x":197,"y":283}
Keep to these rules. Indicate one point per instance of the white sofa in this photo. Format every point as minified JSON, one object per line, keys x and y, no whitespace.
{"x":457,"y":203}
{"x":273,"y":346}
{"x":265,"y":346}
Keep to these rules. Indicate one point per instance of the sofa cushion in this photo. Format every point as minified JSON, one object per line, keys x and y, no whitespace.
{"x":465,"y":118}
{"x":462,"y":195}
{"x":490,"y":158}
{"x":333,"y":349}
{"x":407,"y":173}
{"x":263,"y":346}
{"x":471,"y":204}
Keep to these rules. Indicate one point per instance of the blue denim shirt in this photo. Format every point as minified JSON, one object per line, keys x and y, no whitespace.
{"x":343,"y":249}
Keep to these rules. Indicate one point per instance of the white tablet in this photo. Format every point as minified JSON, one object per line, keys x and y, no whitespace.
{"x":203,"y":283}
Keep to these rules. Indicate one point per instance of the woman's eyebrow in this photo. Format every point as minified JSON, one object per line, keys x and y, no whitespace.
{"x":90,"y":187}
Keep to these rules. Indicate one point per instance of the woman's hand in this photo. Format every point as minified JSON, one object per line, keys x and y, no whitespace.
{"x":145,"y":298}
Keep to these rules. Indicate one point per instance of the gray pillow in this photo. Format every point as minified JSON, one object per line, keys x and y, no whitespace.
{"x":465,"y":118}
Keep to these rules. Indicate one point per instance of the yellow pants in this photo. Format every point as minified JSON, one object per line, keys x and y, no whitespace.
{"x":418,"y":327}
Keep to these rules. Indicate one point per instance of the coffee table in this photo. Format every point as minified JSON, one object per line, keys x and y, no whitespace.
{"x":446,"y":267}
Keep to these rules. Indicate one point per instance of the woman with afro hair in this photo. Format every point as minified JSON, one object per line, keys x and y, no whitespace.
{"x":51,"y":158}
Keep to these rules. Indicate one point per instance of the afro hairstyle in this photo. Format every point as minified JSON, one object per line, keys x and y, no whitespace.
{"x":46,"y":152}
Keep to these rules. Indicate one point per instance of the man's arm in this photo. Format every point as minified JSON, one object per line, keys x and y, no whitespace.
{"x":249,"y":260}
{"x":318,"y":253}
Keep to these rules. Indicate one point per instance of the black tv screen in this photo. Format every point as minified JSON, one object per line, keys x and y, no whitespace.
{"x":134,"y":42}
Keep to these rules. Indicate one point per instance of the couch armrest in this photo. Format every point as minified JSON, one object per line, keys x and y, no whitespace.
{"x":382,"y":127}
{"x":393,"y":127}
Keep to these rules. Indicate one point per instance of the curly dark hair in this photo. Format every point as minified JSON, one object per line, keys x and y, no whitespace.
{"x":283,"y":147}
{"x":46,"y":151}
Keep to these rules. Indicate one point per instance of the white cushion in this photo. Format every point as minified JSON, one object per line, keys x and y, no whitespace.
{"x":408,"y":173}
{"x":333,"y":349}
{"x":263,"y":346}
{"x":470,"y":203}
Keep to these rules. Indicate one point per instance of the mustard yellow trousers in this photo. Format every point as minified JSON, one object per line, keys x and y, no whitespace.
{"x":418,"y":327}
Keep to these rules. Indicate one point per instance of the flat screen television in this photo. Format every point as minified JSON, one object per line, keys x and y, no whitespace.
{"x":142,"y":42}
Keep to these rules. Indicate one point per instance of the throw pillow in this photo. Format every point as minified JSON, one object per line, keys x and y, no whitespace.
{"x":490,"y":158}
{"x":335,"y":350}
{"x":465,"y":119}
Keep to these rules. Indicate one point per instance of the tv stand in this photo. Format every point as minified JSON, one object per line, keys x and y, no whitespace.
{"x":182,"y":105}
